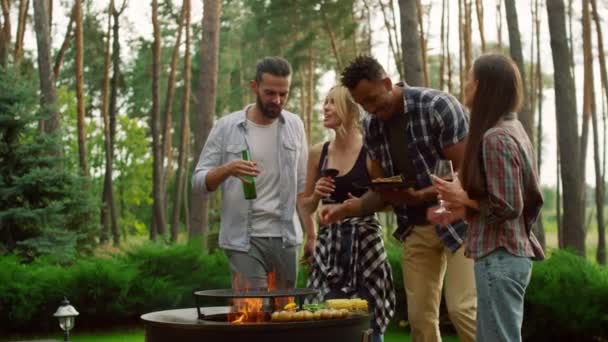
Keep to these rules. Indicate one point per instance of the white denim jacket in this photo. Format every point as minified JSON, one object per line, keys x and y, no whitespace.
{"x":226,"y":141}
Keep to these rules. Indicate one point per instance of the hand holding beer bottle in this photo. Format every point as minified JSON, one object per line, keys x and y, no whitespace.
{"x":243,"y":169}
{"x":248,"y":180}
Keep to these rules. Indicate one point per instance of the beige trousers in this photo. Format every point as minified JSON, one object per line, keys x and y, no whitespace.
{"x":425,"y":264}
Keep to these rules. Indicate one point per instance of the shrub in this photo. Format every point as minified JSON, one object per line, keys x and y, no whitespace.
{"x":106,"y":291}
{"x":567,"y":300}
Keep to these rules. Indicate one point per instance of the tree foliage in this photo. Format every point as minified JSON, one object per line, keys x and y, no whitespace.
{"x":44,"y":209}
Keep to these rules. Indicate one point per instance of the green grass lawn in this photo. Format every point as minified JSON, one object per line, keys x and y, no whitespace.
{"x":394,"y":334}
{"x":131,"y":335}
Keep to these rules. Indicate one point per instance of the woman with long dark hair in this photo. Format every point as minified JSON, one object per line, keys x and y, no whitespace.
{"x":499,"y":195}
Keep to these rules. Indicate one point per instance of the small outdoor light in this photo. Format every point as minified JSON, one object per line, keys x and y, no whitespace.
{"x":66,"y":314}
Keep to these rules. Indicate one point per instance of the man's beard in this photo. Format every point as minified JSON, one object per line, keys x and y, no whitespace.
{"x":269,"y":111}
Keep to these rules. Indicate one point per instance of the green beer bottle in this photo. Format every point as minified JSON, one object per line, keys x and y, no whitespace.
{"x":248,"y":181}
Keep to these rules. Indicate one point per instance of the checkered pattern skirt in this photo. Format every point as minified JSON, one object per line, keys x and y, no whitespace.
{"x":350,"y":258}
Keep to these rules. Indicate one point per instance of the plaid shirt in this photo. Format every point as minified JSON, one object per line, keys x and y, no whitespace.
{"x":514,"y":198}
{"x":435,"y":121}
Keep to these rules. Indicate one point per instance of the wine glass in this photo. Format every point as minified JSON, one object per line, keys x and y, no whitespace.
{"x":331,"y":173}
{"x":444,"y":170}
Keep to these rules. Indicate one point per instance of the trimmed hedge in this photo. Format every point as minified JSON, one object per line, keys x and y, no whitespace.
{"x":567,"y":299}
{"x":106,"y":291}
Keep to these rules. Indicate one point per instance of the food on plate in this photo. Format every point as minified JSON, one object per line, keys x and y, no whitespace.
{"x":307,"y":315}
{"x":393,"y":179}
{"x":290,"y":306}
{"x":325,"y":314}
{"x":353,"y":304}
{"x":331,"y":309}
{"x":285,"y":316}
{"x":313,"y":307}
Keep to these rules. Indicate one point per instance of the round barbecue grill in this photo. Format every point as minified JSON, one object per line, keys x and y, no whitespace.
{"x":212,"y":323}
{"x":298,"y":293}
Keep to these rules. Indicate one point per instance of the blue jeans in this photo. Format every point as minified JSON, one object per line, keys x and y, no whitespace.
{"x":501,"y":279}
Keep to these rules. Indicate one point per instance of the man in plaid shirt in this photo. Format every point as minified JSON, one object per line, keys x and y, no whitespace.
{"x":407,"y":130}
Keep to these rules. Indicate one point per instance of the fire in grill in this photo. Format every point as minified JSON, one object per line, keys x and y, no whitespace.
{"x":252,"y":322}
{"x":253,"y":306}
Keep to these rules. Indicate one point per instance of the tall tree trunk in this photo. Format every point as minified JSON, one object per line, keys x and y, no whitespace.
{"x":468,"y":45}
{"x":565,"y":104}
{"x":600,"y":191}
{"x":443,"y":47}
{"x":186,"y":183}
{"x":332,"y":40}
{"x":584,"y":140}
{"x":461,"y":48}
{"x":601,"y":242}
{"x":499,"y":24}
{"x":600,"y":47}
{"x":532,"y":71}
{"x":65,"y":44}
{"x":368,"y":18}
{"x":571,"y":38}
{"x":108,"y":211}
{"x":112,"y":115}
{"x":5,"y":31}
{"x":168,"y":108}
{"x":410,"y":43}
{"x":448,"y":51}
{"x":311,"y":91}
{"x":206,"y":96}
{"x":355,"y":36}
{"x":303,"y":97}
{"x":558,"y":200}
{"x":526,"y":115}
{"x":21,"y":24}
{"x":50,"y":14}
{"x":540,"y":229}
{"x":47,"y":79}
{"x":589,"y":106}
{"x":182,"y":164}
{"x":392,"y":37}
{"x":425,"y":69}
{"x":482,"y":36}
{"x":82,"y":149}
{"x":158,"y":193}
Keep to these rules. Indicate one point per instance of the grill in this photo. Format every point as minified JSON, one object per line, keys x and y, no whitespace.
{"x":213,"y":323}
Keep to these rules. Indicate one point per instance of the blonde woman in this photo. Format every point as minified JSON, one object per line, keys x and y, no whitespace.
{"x":349,"y":259}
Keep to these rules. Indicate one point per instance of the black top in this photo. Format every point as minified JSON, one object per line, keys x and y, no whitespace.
{"x":344,"y":184}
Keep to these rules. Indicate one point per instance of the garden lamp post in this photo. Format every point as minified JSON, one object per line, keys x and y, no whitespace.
{"x":66,"y":314}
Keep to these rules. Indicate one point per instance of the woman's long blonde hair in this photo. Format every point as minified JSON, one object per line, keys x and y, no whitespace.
{"x":346,"y":108}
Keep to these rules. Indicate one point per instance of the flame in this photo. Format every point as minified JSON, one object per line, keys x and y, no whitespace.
{"x":251,"y":309}
{"x":246,"y":309}
{"x":279,"y":302}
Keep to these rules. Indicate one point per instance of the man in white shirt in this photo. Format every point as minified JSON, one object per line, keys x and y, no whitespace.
{"x":261,"y":235}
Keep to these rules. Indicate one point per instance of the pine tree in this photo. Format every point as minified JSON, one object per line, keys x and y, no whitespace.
{"x":43,"y":209}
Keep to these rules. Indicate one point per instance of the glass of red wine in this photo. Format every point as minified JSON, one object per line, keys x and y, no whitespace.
{"x":445,"y":171}
{"x":331,"y":173}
